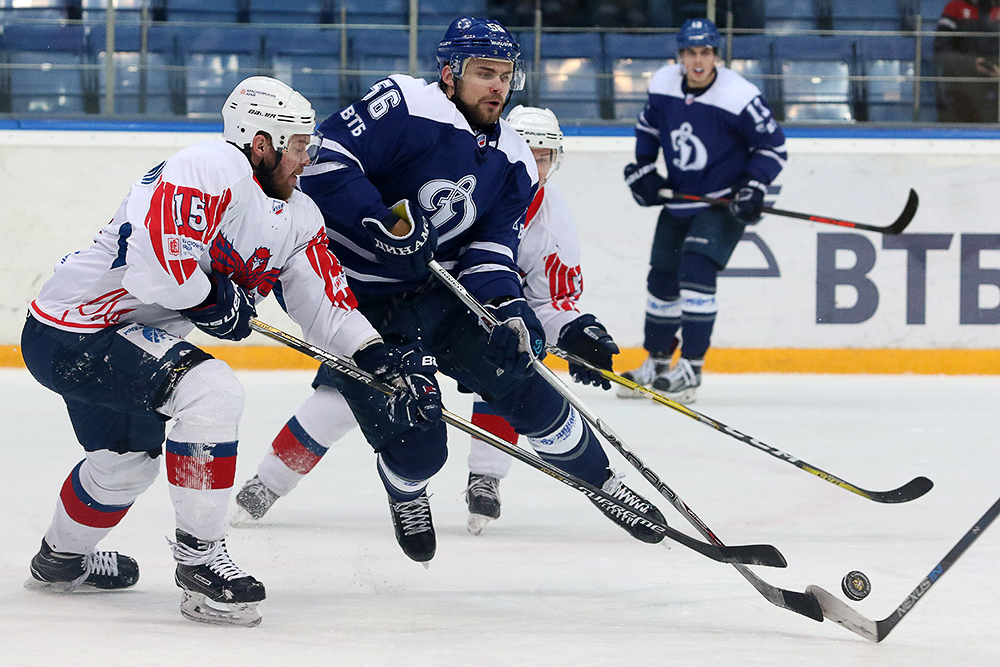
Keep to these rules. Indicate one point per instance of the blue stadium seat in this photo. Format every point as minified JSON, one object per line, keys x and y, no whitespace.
{"x":633,"y":60}
{"x":888,"y":99}
{"x":867,"y":14}
{"x":814,"y":77}
{"x":216,"y":11}
{"x":389,"y":12}
{"x":50,"y":73}
{"x":300,"y":11}
{"x":153,"y":92}
{"x":215,"y":60}
{"x":443,"y":12}
{"x":569,"y":80}
{"x":789,"y":15}
{"x":309,"y":61}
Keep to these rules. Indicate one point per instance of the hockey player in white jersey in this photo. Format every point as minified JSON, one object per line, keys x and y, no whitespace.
{"x":195,"y":243}
{"x":415,"y":171}
{"x":719,"y":140}
{"x":549,"y":261}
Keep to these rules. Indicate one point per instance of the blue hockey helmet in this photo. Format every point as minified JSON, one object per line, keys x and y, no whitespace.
{"x":469,"y":37}
{"x":698,"y":32}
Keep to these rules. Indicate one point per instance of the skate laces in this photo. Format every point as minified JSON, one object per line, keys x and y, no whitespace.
{"x":682,"y":376}
{"x":102,"y":562}
{"x":214,"y":556}
{"x":614,"y":488}
{"x":484,"y":485}
{"x":414,"y":515}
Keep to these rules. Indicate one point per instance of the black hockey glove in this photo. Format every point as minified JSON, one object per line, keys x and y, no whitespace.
{"x":517,"y":339}
{"x":587,"y":338}
{"x":645,"y":183}
{"x":226,"y":311}
{"x":748,"y":198}
{"x":408,"y":254}
{"x":409,"y":370}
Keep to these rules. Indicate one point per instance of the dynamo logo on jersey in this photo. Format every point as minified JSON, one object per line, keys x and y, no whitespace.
{"x":691,"y":152}
{"x":447,"y":199}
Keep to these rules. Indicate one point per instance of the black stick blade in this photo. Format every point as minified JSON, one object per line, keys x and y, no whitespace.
{"x":906,"y":216}
{"x":805,"y":604}
{"x":912,"y":490}
{"x":754,"y":554}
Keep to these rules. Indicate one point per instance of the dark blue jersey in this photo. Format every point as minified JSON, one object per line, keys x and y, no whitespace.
{"x":710,"y":141}
{"x":406,"y":140}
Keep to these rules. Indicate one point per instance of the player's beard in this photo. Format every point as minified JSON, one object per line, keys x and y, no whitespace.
{"x":479,"y":116}
{"x":269,"y":183}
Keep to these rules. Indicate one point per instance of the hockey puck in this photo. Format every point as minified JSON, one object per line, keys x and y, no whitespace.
{"x":856,"y":585}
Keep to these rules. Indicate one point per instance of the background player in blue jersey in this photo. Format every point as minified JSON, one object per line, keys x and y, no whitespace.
{"x":415,"y":171}
{"x":719,"y":140}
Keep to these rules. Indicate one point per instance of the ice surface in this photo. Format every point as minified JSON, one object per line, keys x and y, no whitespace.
{"x":553,"y":582}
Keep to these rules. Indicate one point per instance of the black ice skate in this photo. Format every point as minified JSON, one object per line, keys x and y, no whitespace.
{"x":414,"y":528}
{"x":650,"y":371}
{"x":252,"y":502}
{"x":682,"y":381}
{"x":483,"y":498}
{"x":614,"y":488}
{"x":106,"y":570}
{"x":215,"y":589}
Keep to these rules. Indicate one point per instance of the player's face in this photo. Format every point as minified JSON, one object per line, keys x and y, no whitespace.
{"x":278,"y":177}
{"x":699,"y":65}
{"x":483,"y":89}
{"x":544,"y":162}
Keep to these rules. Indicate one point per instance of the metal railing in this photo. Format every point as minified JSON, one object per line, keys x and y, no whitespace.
{"x":123,"y":74}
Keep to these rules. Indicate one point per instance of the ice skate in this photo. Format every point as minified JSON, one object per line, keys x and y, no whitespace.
{"x":414,"y":528}
{"x":66,"y":572}
{"x":650,"y":370}
{"x":681,"y":382}
{"x":215,"y":590}
{"x":252,"y":502}
{"x":483,"y":498}
{"x":614,"y":488}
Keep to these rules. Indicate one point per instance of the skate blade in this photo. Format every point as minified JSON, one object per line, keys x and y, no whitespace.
{"x":241,"y":518}
{"x":58,"y":587}
{"x":684,"y":397}
{"x":477,"y":522}
{"x":197,"y":607}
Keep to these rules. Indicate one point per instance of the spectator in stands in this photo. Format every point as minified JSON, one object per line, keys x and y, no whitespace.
{"x":968,"y":56}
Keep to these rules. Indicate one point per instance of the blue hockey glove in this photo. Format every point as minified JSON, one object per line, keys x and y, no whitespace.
{"x":409,"y":370}
{"x":226,"y":312}
{"x":645,"y":183}
{"x":410,"y":253}
{"x":587,"y":338}
{"x":517,"y":339}
{"x":748,"y":198}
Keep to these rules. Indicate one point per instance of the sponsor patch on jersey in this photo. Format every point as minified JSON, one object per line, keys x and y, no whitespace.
{"x":277,"y":206}
{"x":481,"y":140}
{"x":155,"y":342}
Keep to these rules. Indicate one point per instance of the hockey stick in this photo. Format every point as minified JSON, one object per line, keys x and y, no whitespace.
{"x":801,"y":603}
{"x":752,"y":554}
{"x":876,"y":631}
{"x":896,"y":227}
{"x":912,"y":490}
{"x":473,"y":304}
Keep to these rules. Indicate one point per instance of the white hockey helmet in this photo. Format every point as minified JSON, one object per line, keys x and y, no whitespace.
{"x":540,"y":129}
{"x":263,"y":104}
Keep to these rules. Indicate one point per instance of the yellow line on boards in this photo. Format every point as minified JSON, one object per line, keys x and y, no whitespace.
{"x":719,"y":360}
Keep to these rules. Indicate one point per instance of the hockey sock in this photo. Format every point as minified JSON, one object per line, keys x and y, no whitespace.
{"x":323,"y":419}
{"x":485,"y":459}
{"x":407,"y":462}
{"x":663,"y":313}
{"x":96,"y":496}
{"x":698,"y":304}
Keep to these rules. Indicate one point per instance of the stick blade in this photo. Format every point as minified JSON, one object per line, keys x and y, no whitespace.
{"x":912,"y":490}
{"x":841,"y":614}
{"x":766,"y":555}
{"x":805,"y":604}
{"x":906,"y":216}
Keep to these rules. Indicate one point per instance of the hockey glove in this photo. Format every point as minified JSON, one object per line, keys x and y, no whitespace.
{"x":518,"y":338}
{"x":226,"y":312}
{"x":645,"y":183}
{"x":409,"y":371}
{"x":587,"y":338}
{"x":748,"y":199}
{"x":409,"y":253}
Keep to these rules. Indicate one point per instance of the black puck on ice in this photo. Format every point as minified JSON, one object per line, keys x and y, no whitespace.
{"x":856,"y":585}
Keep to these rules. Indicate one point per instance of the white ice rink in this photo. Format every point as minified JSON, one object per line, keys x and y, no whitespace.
{"x":553,"y":582}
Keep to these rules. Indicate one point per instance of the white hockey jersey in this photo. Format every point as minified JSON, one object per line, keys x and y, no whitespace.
{"x":199,"y":211}
{"x":549,"y":261}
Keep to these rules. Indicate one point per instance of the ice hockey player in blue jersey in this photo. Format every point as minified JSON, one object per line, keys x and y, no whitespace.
{"x":719,"y":140}
{"x":415,"y":171}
